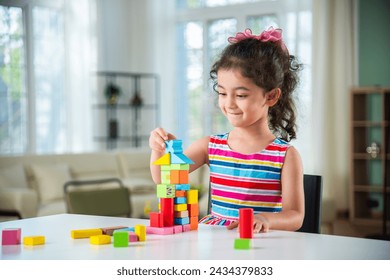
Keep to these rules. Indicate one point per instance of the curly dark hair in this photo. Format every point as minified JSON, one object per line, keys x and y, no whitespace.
{"x":269,"y":67}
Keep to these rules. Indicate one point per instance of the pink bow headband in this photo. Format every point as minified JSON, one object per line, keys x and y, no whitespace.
{"x":272,"y":35}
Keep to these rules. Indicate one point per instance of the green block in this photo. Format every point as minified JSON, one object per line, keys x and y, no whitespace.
{"x":165,"y":177}
{"x":121,"y":239}
{"x":165,"y":190}
{"x":242,"y":244}
{"x":180,"y":166}
{"x":165,"y":167}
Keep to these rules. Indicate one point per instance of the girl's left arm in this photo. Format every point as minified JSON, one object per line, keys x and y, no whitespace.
{"x":293,"y":212}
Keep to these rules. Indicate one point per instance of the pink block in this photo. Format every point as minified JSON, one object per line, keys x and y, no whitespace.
{"x":133,"y":237}
{"x":11,"y":236}
{"x":177,"y":228}
{"x":186,"y":227}
{"x":160,"y":231}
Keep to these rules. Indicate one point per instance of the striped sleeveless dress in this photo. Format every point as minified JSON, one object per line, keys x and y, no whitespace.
{"x":242,"y":181}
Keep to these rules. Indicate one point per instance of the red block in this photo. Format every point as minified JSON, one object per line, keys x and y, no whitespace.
{"x":167,"y":211}
{"x":246,"y":222}
{"x":156,"y":219}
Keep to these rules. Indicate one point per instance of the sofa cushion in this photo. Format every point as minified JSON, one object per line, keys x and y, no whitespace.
{"x":13,"y":177}
{"x":50,"y":180}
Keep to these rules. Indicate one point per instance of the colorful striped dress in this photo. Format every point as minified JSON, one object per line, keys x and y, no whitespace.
{"x":238,"y":180}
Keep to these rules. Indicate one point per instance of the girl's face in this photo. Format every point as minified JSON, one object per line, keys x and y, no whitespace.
{"x":242,"y":102}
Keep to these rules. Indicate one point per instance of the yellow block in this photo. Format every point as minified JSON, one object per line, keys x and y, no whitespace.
{"x":34,"y":240}
{"x":140,"y":231}
{"x":100,"y":239}
{"x":180,"y":207}
{"x":192,"y":196}
{"x":164,"y":160}
{"x":85,"y":233}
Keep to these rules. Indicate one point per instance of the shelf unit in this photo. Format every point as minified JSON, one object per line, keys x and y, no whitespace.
{"x":370,"y":125}
{"x":114,"y":117}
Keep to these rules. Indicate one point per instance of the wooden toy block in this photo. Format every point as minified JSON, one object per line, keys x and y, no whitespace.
{"x":177,"y":229}
{"x":180,"y":207}
{"x":164,"y":160}
{"x":156,"y":219}
{"x":174,"y":146}
{"x":182,"y":187}
{"x":160,"y":231}
{"x":128,"y":229}
{"x":11,"y":236}
{"x":110,"y":230}
{"x":34,"y":240}
{"x":166,"y":177}
{"x":180,"y":159}
{"x":167,"y":211}
{"x":183,"y":177}
{"x":133,"y":237}
{"x":140,"y":231}
{"x":242,"y":244}
{"x":192,"y":196}
{"x":100,"y":239}
{"x":181,"y":214}
{"x":121,"y":239}
{"x":180,"y":193}
{"x":166,"y":191}
{"x":85,"y":233}
{"x":180,"y":200}
{"x":182,"y":221}
{"x":186,"y":227}
{"x":245,"y":223}
{"x":193,"y":209}
{"x":166,"y":167}
{"x":194,"y":223}
{"x":175,"y":177}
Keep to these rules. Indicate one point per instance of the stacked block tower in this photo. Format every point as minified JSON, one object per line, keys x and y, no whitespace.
{"x":178,"y":203}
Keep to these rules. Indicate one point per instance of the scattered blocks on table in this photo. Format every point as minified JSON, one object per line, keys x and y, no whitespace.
{"x":34,"y":240}
{"x":11,"y":236}
{"x":100,"y":239}
{"x":85,"y":233}
{"x":242,"y":243}
{"x":140,"y":231}
{"x":121,"y":239}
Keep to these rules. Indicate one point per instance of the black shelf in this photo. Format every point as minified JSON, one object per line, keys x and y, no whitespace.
{"x":134,"y":136}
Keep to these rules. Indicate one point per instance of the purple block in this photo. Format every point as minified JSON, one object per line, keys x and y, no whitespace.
{"x":11,"y":236}
{"x":133,"y":237}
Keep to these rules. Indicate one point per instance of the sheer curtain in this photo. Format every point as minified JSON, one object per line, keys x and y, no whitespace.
{"x":81,"y":57}
{"x":333,"y":75}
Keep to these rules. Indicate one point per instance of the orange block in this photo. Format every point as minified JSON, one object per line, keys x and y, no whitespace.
{"x":180,"y":194}
{"x":193,"y":223}
{"x":183,"y":177}
{"x":193,"y":209}
{"x":175,"y":177}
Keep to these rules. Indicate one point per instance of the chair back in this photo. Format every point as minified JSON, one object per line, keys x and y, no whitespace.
{"x":108,"y":201}
{"x":312,"y":185}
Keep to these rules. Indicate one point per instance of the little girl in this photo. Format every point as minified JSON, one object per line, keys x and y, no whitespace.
{"x":253,"y":165}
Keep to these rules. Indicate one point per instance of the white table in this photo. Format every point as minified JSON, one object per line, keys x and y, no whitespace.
{"x":209,"y":242}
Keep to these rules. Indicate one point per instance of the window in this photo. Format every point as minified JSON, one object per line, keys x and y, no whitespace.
{"x":202,"y":31}
{"x":13,"y":97}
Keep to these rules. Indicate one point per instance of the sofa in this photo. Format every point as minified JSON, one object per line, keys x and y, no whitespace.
{"x":32,"y":185}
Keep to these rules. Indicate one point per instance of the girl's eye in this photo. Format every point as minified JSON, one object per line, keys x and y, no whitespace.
{"x":221,"y":93}
{"x":241,"y":96}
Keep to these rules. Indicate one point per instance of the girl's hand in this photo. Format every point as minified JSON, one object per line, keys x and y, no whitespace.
{"x":260,"y":224}
{"x":157,"y":139}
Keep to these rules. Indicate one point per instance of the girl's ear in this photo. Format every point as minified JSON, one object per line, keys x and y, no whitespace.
{"x":273,"y":96}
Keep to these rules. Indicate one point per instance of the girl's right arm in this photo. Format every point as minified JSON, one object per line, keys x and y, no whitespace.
{"x":157,"y":144}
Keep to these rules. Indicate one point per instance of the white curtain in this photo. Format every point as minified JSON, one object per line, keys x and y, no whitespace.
{"x":81,"y":58}
{"x":333,"y":75}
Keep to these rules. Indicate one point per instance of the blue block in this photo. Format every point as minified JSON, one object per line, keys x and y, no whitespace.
{"x":182,"y":221}
{"x":180,"y":200}
{"x":182,"y":187}
{"x":180,"y":159}
{"x":125,"y":229}
{"x":174,"y":146}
